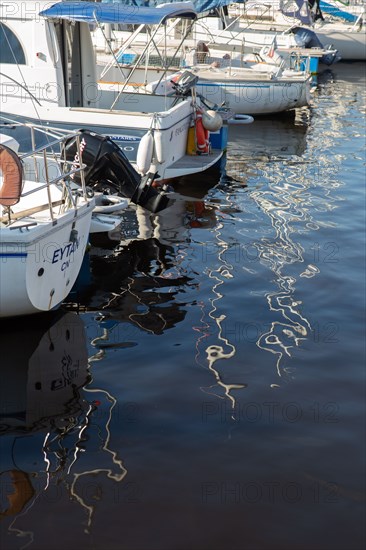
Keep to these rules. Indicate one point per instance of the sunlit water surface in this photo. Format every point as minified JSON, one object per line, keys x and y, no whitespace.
{"x":204,"y":388}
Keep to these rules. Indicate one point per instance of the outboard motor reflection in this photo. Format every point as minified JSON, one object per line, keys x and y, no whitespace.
{"x":108,"y":170}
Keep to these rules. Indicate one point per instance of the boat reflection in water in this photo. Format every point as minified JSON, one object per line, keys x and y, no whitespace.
{"x":138,"y":272}
{"x":142,"y":275}
{"x":49,"y":417}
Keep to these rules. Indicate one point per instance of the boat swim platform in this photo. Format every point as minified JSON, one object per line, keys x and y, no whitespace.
{"x":192,"y":164}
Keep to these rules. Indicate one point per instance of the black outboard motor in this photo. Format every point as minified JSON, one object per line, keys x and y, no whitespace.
{"x":108,"y":170}
{"x":184,"y":83}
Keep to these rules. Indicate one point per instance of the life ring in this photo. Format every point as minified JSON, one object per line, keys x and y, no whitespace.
{"x":12,"y":175}
{"x":202,"y":135}
{"x":240,"y":119}
{"x":107,"y":204}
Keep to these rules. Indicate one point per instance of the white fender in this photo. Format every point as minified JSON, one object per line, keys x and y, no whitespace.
{"x":159,"y":153}
{"x":145,"y":153}
{"x":107,"y":204}
{"x":211,"y":120}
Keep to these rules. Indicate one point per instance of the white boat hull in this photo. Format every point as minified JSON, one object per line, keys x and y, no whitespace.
{"x":350,"y":44}
{"x":39,"y":266}
{"x":245,"y":90}
{"x":170,"y":131}
{"x":253,"y":97}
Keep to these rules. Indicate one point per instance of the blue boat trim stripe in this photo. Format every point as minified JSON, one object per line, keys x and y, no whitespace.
{"x":233,"y":85}
{"x":13,"y":254}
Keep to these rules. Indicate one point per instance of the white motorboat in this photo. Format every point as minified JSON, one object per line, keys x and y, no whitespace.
{"x":48,"y":73}
{"x":44,"y":227}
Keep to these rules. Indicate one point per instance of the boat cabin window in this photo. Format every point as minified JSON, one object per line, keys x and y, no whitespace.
{"x":11,"y":50}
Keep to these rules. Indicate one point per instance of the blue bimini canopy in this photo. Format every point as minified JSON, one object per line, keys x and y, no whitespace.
{"x":200,"y":6}
{"x":109,"y":12}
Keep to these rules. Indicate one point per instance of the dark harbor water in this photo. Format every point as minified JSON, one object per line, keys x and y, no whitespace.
{"x":204,"y":388}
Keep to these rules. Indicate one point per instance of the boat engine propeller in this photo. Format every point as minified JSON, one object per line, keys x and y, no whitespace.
{"x":108,"y":170}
